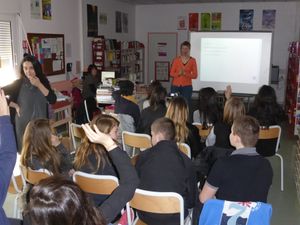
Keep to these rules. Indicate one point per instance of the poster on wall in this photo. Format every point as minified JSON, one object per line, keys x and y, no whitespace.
{"x":268,"y":18}
{"x":103,"y":18}
{"x":47,"y":9}
{"x":162,"y":70}
{"x":35,"y":9}
{"x":125,"y":22}
{"x":193,"y":21}
{"x":118,"y":22}
{"x":246,"y":19}
{"x":216,"y":21}
{"x":181,"y":23}
{"x":92,"y":20}
{"x":205,"y":21}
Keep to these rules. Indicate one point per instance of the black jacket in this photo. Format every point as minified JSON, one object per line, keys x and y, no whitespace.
{"x":165,"y":168}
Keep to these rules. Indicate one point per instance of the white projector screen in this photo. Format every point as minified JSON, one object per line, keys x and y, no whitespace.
{"x":241,"y":59}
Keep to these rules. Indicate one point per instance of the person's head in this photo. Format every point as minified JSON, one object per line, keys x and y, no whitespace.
{"x":126,"y":87}
{"x":92,"y":69}
{"x":106,"y":124}
{"x":162,"y":129}
{"x":158,"y":96}
{"x":37,"y":142}
{"x":234,"y":107}
{"x":154,"y":84}
{"x":266,"y":95}
{"x":244,"y":132}
{"x":178,"y":112}
{"x":185,"y":48}
{"x":30,"y":67}
{"x":57,"y":200}
{"x":208,"y":104}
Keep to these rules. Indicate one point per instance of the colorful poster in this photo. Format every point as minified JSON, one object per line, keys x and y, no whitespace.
{"x":216,"y":21}
{"x":47,"y":9}
{"x":246,"y":19}
{"x":181,"y":23}
{"x":35,"y":9}
{"x":125,"y":22}
{"x":205,"y":21}
{"x":92,"y":20}
{"x":118,"y":22}
{"x":268,"y":19}
{"x":193,"y":21}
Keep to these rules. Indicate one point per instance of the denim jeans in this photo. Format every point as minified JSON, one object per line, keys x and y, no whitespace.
{"x":184,"y":91}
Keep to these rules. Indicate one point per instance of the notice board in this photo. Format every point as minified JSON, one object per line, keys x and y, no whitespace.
{"x":49,"y":49}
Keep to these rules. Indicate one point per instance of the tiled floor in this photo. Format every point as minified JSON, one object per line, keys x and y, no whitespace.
{"x":286,"y":206}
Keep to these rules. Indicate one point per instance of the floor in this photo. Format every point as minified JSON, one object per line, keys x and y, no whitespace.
{"x":286,"y":206}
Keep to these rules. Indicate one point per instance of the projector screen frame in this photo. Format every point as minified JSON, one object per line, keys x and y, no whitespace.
{"x":241,"y":32}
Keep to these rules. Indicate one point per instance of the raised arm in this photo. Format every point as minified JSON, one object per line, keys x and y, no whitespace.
{"x":128,"y":177}
{"x":8,"y":152}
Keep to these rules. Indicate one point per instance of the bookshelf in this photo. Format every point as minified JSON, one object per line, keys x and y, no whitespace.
{"x":113,"y":56}
{"x":292,"y":97}
{"x":98,"y":51}
{"x":61,"y":116}
{"x":132,"y":60}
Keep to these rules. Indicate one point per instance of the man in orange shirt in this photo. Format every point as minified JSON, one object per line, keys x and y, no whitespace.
{"x":183,"y":70}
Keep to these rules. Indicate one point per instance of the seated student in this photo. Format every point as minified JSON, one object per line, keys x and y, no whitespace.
{"x":187,"y":133}
{"x":219,"y":134}
{"x":93,"y":158}
{"x":125,"y":102}
{"x":244,"y":175}
{"x":265,"y":107}
{"x":90,"y":82}
{"x":157,"y":109}
{"x":43,"y":150}
{"x":208,"y":110}
{"x":92,"y":108}
{"x":151,"y":87}
{"x":56,"y":194}
{"x":8,"y":153}
{"x":165,"y":168}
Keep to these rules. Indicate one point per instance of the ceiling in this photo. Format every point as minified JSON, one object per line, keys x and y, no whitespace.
{"x":149,"y":2}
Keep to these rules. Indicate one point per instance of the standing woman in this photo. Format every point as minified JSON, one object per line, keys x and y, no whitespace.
{"x":29,"y":96}
{"x":183,"y":70}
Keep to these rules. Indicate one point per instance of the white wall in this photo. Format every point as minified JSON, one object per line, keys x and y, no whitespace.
{"x":163,"y":18}
{"x":65,"y":20}
{"x":109,"y":31}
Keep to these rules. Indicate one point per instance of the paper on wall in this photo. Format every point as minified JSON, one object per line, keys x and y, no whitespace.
{"x":56,"y":64}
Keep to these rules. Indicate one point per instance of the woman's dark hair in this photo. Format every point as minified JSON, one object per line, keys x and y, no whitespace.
{"x":154,"y":84}
{"x":126,"y":87}
{"x":91,"y":67}
{"x":158,"y":97}
{"x":185,"y":43}
{"x":36,"y":66}
{"x":56,"y":200}
{"x":208,"y":105}
{"x":265,"y":107}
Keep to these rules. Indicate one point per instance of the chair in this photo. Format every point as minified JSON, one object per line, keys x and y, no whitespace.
{"x":268,"y":145}
{"x":97,"y":184}
{"x":185,"y":148}
{"x":157,"y":202}
{"x":86,"y":111}
{"x":76,"y":132}
{"x":250,"y":213}
{"x":33,"y":176}
{"x":16,"y":187}
{"x":203,"y":133}
{"x":134,"y":140}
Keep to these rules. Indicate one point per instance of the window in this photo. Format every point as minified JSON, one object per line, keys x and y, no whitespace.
{"x":7,"y":71}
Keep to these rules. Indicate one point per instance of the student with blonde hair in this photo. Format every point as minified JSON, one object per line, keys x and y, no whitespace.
{"x":219,"y":134}
{"x":187,"y":133}
{"x":43,"y":150}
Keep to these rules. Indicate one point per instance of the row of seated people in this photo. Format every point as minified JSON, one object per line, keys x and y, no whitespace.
{"x":160,"y":168}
